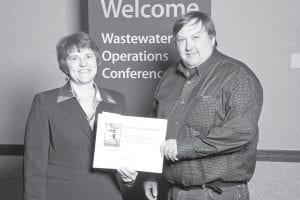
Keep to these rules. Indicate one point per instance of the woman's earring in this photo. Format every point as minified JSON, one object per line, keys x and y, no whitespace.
{"x":67,"y":78}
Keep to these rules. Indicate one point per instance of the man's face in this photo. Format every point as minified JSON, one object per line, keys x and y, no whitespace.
{"x":194,"y":44}
{"x":82,"y":66}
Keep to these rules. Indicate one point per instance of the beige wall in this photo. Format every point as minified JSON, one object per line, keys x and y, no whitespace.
{"x":29,"y":31}
{"x":264,"y":34}
{"x":28,"y":35}
{"x":275,"y":181}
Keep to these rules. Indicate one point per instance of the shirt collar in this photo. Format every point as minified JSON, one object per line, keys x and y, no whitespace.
{"x":66,"y":92}
{"x":201,"y":69}
{"x":188,"y":73}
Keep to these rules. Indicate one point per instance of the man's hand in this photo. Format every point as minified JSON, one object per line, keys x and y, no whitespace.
{"x":169,"y":149}
{"x":150,"y":188}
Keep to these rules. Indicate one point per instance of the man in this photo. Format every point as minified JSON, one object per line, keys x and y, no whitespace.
{"x":212,"y":103}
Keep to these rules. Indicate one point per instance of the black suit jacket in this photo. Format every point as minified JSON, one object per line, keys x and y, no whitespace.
{"x":59,"y":150}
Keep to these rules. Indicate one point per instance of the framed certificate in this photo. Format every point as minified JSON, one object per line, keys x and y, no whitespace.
{"x":129,"y":141}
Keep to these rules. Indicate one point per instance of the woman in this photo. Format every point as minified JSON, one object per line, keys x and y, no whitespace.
{"x":60,"y":131}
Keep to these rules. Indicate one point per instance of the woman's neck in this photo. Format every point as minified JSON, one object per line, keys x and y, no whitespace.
{"x":82,"y":91}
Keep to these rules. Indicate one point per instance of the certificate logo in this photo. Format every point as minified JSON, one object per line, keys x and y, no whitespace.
{"x":112,"y":135}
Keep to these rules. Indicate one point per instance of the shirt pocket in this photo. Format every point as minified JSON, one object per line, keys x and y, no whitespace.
{"x":202,"y":115}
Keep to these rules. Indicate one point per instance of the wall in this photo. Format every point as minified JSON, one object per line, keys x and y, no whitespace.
{"x":29,"y":33}
{"x":275,"y":181}
{"x":264,"y":34}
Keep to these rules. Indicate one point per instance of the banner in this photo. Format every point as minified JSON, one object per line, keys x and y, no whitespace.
{"x":136,"y":44}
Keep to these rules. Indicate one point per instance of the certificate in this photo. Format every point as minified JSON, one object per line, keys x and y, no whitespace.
{"x":129,"y":141}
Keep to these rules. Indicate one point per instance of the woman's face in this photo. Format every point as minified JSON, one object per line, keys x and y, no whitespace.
{"x":81,"y":66}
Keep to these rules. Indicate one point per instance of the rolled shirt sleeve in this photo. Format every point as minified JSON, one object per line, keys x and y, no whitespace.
{"x":239,"y":127}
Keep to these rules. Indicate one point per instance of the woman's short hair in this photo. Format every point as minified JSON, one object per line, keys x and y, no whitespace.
{"x":206,"y":20}
{"x":75,"y":41}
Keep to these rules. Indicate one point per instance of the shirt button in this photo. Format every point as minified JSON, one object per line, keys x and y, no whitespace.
{"x":176,"y":122}
{"x":171,"y":165}
{"x":188,"y":82}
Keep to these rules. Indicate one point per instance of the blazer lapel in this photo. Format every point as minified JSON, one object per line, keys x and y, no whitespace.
{"x":74,"y":109}
{"x":108,"y":102}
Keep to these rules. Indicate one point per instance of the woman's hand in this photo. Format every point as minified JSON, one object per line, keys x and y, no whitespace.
{"x":128,"y":175}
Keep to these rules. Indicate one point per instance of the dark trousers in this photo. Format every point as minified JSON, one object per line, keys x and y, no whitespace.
{"x":233,"y":192}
